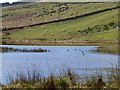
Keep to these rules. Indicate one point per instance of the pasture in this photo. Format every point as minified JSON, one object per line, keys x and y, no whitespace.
{"x":33,"y":13}
{"x":71,"y":29}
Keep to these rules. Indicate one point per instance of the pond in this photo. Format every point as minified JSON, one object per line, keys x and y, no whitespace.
{"x":58,"y":58}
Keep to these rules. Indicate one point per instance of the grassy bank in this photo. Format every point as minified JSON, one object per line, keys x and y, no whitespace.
{"x":64,"y":80}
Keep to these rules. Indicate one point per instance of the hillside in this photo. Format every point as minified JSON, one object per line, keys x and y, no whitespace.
{"x":67,"y":28}
{"x":92,"y":26}
{"x":35,"y":13}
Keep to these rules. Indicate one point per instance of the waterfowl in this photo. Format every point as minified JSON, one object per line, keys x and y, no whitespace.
{"x":83,"y":53}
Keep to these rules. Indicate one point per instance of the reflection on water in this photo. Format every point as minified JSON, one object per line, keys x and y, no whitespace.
{"x":58,"y":58}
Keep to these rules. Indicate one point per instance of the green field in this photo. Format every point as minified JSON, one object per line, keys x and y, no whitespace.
{"x":95,"y":29}
{"x":69,"y":29}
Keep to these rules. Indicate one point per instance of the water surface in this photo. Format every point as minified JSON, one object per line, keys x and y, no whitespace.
{"x":59,"y":57}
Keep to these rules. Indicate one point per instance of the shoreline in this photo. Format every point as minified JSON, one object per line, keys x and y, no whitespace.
{"x":64,"y":80}
{"x":110,"y":47}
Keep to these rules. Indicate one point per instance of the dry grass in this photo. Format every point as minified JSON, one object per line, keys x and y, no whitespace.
{"x":66,"y":79}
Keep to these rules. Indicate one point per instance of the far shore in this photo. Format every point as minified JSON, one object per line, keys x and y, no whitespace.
{"x":104,"y":46}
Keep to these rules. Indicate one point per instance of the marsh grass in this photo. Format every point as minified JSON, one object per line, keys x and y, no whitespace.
{"x":108,"y":49}
{"x":10,"y":49}
{"x":64,"y":80}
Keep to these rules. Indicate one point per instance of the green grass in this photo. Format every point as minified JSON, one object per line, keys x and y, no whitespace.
{"x":71,"y":28}
{"x":109,"y":35}
{"x":65,"y":32}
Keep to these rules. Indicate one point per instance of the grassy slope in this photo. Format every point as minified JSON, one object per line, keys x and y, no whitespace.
{"x":71,"y":36}
{"x":71,"y":26}
{"x":22,"y":15}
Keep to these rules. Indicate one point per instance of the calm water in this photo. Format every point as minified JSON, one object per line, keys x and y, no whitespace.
{"x":58,"y":58}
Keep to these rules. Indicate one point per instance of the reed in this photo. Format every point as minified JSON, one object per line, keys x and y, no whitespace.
{"x":64,"y":80}
{"x":9,"y":49}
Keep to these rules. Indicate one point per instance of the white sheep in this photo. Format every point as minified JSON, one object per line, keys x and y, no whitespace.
{"x":43,"y":33}
{"x":52,"y":33}
{"x":28,"y":29}
{"x":45,"y":30}
{"x":63,"y":30}
{"x":117,"y":27}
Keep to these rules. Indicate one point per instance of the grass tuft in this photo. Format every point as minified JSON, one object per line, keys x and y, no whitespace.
{"x":66,"y":79}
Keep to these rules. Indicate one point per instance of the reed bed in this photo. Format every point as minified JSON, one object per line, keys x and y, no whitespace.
{"x":9,"y":49}
{"x":66,"y":79}
{"x":108,"y":49}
